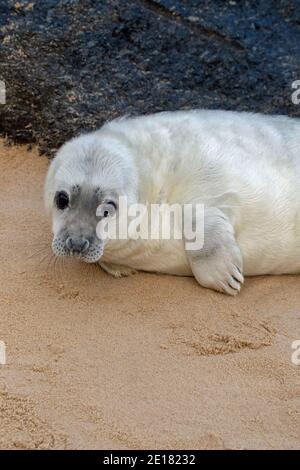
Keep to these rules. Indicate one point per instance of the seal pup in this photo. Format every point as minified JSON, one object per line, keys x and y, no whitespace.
{"x":244,"y":168}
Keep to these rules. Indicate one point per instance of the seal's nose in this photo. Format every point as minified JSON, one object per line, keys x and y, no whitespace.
{"x":77,"y":245}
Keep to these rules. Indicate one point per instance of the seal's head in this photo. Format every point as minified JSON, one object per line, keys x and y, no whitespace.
{"x":84,"y":183}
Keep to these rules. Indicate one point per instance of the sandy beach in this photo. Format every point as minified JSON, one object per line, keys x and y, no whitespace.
{"x":149,"y":361}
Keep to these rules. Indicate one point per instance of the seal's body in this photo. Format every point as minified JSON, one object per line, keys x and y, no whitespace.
{"x":243,"y":167}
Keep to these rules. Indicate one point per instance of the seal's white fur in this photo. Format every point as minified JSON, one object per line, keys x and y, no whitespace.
{"x":244,"y":167}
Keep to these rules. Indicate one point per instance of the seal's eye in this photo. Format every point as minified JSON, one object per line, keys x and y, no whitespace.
{"x":61,"y":200}
{"x":110,"y":208}
{"x":107,"y":209}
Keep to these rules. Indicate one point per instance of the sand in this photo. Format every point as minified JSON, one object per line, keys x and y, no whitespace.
{"x":150,"y":361}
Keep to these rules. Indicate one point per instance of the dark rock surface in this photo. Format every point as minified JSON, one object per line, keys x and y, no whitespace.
{"x":69,"y":65}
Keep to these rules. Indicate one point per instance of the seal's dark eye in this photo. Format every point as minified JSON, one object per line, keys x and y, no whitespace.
{"x":61,"y":200}
{"x":110,"y":208}
{"x":107,"y":209}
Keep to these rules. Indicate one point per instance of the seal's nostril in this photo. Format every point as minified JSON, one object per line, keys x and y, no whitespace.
{"x":69,"y":243}
{"x":85,"y":245}
{"x":77,"y":245}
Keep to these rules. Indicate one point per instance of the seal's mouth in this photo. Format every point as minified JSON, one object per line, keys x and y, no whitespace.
{"x":86,"y":257}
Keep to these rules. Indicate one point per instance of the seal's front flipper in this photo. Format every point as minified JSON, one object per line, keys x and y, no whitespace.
{"x":218,"y":264}
{"x":116,"y":270}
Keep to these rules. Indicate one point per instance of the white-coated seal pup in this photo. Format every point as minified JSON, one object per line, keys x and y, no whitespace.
{"x":244,"y":168}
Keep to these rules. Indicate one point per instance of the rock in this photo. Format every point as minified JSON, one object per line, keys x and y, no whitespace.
{"x":70,"y":65}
